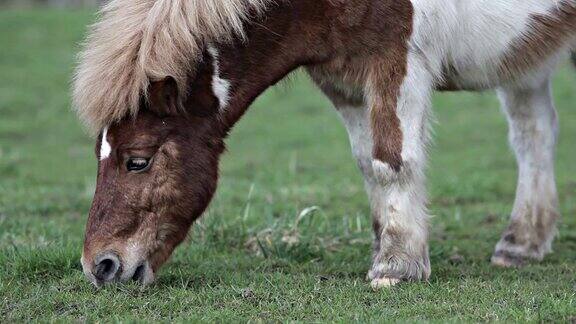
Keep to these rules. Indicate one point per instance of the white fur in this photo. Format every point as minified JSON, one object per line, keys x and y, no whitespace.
{"x":357,"y":122}
{"x":472,"y":36}
{"x":533,"y":134}
{"x":134,"y":257}
{"x":220,"y":86}
{"x":403,"y":194}
{"x":105,"y":148}
{"x":398,"y":199}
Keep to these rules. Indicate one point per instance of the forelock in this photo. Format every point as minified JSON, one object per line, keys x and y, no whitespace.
{"x":135,"y":42}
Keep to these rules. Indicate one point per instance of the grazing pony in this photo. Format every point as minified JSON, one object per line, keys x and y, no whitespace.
{"x":163,"y":81}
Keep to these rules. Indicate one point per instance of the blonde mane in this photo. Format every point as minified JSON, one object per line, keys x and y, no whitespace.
{"x":138,"y":41}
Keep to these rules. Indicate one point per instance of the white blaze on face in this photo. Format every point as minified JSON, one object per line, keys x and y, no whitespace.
{"x":221,"y":87}
{"x":105,"y":148}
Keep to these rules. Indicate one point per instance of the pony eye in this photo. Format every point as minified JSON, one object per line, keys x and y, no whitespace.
{"x":137,"y":164}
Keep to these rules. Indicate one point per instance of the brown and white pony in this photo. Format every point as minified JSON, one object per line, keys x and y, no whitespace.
{"x":164,"y":81}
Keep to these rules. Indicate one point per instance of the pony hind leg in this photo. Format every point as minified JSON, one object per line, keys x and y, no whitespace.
{"x":533,"y":132}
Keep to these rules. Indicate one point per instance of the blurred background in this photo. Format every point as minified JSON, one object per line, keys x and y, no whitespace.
{"x":290,"y":223}
{"x":51,"y":3}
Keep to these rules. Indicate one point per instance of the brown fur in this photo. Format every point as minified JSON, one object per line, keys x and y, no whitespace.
{"x":387,"y":74}
{"x":375,"y":62}
{"x":156,"y":208}
{"x":547,"y":35}
{"x":146,"y":75}
{"x":183,"y":130}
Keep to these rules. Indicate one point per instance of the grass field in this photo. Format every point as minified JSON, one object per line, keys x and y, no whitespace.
{"x":249,"y":259}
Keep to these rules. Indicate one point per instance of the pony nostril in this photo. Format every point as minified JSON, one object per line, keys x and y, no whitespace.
{"x":107,"y":266}
{"x":104,"y":268}
{"x":139,"y":273}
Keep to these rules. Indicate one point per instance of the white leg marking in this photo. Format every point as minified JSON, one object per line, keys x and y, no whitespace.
{"x":105,"y":148}
{"x":533,"y":132}
{"x":398,"y":199}
{"x":221,"y":87}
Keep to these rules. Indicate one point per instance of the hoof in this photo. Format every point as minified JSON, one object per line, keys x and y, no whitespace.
{"x":506,"y":259}
{"x":383,"y":283}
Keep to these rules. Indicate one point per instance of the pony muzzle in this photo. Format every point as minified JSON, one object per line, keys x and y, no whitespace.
{"x":107,"y":267}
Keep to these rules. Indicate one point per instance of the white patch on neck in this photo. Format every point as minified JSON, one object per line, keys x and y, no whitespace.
{"x":105,"y":148}
{"x":221,"y":87}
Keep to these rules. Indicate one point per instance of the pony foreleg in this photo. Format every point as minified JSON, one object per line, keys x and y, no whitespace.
{"x":399,"y":194}
{"x":399,"y":216}
{"x":533,"y":131}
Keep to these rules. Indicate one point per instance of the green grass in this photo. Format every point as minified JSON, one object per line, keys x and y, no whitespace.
{"x":288,"y":154}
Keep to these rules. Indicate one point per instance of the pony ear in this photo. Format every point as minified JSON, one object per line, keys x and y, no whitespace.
{"x":200,"y":100}
{"x":163,"y":97}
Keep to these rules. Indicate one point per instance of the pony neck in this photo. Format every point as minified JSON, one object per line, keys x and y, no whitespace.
{"x":290,"y":35}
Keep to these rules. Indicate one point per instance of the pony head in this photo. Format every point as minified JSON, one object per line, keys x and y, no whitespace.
{"x":156,"y":174}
